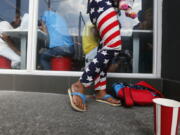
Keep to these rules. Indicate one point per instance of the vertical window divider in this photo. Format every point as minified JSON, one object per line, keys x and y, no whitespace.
{"x":30,"y":31}
{"x":155,"y":37}
{"x":32,"y":35}
{"x":159,"y":40}
{"x":157,"y":48}
{"x":35,"y":34}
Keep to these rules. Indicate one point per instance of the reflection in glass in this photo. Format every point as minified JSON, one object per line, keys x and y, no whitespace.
{"x":60,"y":42}
{"x":13,"y":32}
{"x":137,"y":37}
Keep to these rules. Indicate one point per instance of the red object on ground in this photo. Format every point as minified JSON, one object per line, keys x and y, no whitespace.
{"x":142,"y":94}
{"x":166,"y":116}
{"x":61,"y":63}
{"x":5,"y":63}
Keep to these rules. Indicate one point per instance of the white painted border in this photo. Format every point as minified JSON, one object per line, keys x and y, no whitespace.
{"x":32,"y":41}
{"x":155,"y":36}
{"x":159,"y":40}
{"x":35,"y":30}
{"x":30,"y":33}
{"x":74,"y":74}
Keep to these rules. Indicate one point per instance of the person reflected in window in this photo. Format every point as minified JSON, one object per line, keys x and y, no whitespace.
{"x":146,"y":40}
{"x":103,"y":15}
{"x":21,"y":23}
{"x":60,"y":42}
{"x":146,"y":46}
{"x":145,"y":20}
{"x":17,"y":21}
{"x":7,"y":46}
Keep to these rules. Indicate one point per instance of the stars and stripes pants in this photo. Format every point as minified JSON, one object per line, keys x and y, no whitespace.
{"x":109,"y":29}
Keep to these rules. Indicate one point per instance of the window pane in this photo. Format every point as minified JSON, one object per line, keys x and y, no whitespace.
{"x":137,"y":37}
{"x":68,"y":26}
{"x":13,"y":31}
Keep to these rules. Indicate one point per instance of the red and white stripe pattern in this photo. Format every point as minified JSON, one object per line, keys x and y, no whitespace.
{"x":109,"y":28}
{"x":100,"y":83}
{"x":166,"y":120}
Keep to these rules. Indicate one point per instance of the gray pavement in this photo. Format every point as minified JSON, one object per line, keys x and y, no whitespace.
{"x":31,"y":113}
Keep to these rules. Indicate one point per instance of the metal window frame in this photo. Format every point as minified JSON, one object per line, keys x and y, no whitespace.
{"x":32,"y":46}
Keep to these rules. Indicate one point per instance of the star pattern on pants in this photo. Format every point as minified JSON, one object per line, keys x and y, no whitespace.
{"x":102,"y":73}
{"x":97,"y":70}
{"x":109,"y":3}
{"x":89,"y":78}
{"x":92,"y":10}
{"x":104,"y":53}
{"x":87,"y":69}
{"x":95,"y":61}
{"x":98,"y":1}
{"x":106,"y":61}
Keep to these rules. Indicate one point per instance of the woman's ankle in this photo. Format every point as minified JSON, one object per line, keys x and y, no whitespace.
{"x":100,"y":93}
{"x":77,"y":86}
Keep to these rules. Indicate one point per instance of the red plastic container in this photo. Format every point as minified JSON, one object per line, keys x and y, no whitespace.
{"x":5,"y":63}
{"x":61,"y":63}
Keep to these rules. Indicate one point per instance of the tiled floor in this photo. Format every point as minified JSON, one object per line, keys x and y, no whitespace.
{"x":30,"y":113}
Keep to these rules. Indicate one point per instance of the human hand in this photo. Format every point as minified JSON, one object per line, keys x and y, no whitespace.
{"x":131,"y":14}
{"x":123,"y":5}
{"x":5,"y":37}
{"x":41,"y":28}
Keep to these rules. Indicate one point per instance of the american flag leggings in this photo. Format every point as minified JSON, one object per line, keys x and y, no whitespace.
{"x":109,"y":29}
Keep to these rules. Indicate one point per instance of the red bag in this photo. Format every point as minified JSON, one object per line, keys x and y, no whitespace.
{"x":141,"y":93}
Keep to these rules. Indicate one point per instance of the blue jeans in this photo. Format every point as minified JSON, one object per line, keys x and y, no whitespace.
{"x":58,"y":51}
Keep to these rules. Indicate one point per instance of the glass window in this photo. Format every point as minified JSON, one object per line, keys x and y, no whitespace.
{"x":13,"y":33}
{"x":63,"y":29}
